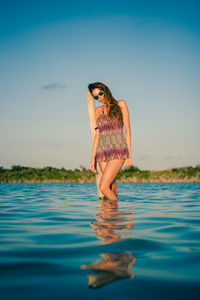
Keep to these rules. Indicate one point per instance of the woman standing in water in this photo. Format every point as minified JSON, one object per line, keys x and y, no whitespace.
{"x":111,"y":148}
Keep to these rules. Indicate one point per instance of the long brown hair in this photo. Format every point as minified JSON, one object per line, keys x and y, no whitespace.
{"x":113,"y":109}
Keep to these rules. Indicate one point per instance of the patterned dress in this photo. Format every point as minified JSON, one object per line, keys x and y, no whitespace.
{"x":111,"y":142}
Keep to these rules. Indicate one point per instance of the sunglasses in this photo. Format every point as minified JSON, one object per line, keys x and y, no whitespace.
{"x":100,"y":94}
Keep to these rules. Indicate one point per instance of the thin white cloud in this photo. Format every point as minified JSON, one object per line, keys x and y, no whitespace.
{"x":143,"y":157}
{"x":172,"y":157}
{"x":66,"y":85}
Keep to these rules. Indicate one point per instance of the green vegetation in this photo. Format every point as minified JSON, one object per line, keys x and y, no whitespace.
{"x":132,"y":174}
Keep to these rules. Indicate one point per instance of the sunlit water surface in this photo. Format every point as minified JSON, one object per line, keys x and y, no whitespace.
{"x":59,"y":241}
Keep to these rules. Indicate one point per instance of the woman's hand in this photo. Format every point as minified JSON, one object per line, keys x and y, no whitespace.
{"x":128,"y":163}
{"x":92,"y":165}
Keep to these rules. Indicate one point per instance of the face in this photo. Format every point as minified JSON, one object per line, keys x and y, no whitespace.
{"x":96,"y":92}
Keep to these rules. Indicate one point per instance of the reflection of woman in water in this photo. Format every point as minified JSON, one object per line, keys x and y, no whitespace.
{"x":115,"y":265}
{"x":110,"y":219}
{"x":111,"y":148}
{"x":112,"y":267}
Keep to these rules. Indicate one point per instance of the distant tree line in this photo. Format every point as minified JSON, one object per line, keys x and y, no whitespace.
{"x":133,"y":174}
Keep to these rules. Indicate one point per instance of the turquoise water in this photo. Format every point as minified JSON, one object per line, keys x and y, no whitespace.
{"x":59,"y":241}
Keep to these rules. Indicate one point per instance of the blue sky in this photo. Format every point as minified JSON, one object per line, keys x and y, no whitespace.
{"x":147,"y":52}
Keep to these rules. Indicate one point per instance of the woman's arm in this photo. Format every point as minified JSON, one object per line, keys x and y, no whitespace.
{"x":96,"y":137}
{"x":95,"y":141}
{"x":126,"y":119}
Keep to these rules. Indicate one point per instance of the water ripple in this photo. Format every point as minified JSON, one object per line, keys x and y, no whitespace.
{"x":60,"y":241}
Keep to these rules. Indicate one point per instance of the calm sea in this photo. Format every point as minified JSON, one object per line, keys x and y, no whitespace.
{"x":58,"y":241}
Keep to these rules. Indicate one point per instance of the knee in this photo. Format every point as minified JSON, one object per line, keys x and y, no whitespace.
{"x":103,"y":187}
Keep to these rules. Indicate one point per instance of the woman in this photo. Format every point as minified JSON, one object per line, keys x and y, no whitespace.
{"x":110,"y":147}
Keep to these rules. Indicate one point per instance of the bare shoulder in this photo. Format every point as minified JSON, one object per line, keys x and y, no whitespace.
{"x":122,"y":104}
{"x":98,"y":111}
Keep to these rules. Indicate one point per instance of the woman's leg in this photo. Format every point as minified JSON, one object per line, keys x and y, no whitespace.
{"x":110,"y":172}
{"x":113,"y":185}
{"x":102,"y":165}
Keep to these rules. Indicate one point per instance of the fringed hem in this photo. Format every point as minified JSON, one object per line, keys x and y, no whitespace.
{"x":105,"y":155}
